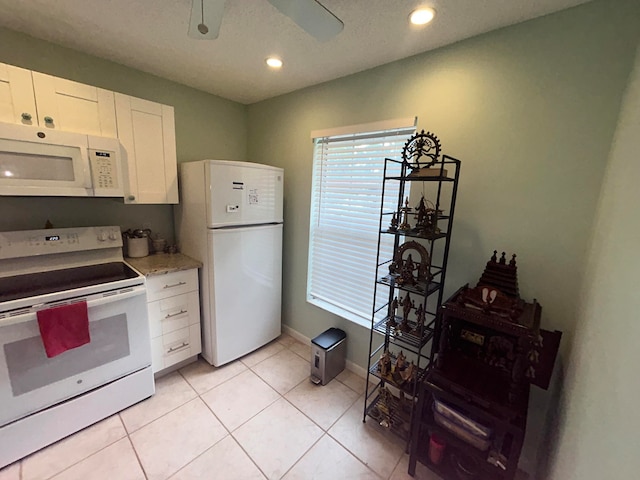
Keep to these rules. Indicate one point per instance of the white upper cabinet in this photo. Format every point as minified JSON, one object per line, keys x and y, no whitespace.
{"x":17,"y":102}
{"x":147,"y":133}
{"x":145,"y":129}
{"x":74,"y":107}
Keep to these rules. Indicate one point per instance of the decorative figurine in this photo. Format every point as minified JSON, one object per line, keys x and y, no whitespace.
{"x":420,"y":318}
{"x":421,"y":214}
{"x":406,"y":273}
{"x":421,"y":145}
{"x":409,"y":373}
{"x":406,"y":308}
{"x":384,"y":365}
{"x":393,"y":226}
{"x":404,"y":325}
{"x":404,"y":226}
{"x":401,"y":362}
{"x":426,"y":218}
{"x":384,"y":406}
{"x":393,"y":309}
{"x":400,"y":271}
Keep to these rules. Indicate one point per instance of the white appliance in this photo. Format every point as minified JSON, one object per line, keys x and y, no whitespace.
{"x":45,"y":399}
{"x":40,"y":161}
{"x":230,"y":218}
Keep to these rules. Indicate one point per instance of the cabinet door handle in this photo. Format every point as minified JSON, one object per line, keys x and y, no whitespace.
{"x":178,"y":347}
{"x":181,"y":312}
{"x":48,"y":119}
{"x":131,"y":198}
{"x":26,"y":117}
{"x":179,"y":284}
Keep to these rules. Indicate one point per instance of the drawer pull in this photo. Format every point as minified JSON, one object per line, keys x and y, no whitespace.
{"x":181,"y":312}
{"x":179,"y":284}
{"x":178,"y":347}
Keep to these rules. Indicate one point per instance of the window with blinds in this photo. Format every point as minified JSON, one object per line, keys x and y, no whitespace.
{"x":345,"y":219}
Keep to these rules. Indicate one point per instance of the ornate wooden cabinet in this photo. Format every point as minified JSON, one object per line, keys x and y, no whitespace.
{"x":491,"y":348}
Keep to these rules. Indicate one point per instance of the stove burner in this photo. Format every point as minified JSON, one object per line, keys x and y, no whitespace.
{"x":41,"y":283}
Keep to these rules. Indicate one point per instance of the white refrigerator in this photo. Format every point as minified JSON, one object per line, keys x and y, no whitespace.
{"x":230,"y":218}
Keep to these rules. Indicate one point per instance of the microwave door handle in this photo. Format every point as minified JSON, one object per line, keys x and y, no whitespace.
{"x":31,"y":315}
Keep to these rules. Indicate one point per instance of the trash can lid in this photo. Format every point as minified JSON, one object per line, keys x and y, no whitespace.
{"x":329,"y":338}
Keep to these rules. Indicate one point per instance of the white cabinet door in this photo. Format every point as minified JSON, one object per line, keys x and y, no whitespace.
{"x":74,"y":107}
{"x":17,"y":103}
{"x":147,"y":133}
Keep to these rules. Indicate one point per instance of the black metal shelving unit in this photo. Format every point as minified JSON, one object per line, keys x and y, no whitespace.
{"x":392,"y":401}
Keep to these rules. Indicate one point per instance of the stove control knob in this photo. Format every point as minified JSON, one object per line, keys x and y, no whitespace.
{"x":102,"y":236}
{"x":113,"y":235}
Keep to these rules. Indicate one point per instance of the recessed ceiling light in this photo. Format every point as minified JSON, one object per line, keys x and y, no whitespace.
{"x":274,"y":62}
{"x":422,"y":16}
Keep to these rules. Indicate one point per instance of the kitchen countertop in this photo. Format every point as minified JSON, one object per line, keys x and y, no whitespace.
{"x":161,"y":263}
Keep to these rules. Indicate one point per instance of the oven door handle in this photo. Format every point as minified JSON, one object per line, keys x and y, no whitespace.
{"x":121,"y":294}
{"x":92,"y":301}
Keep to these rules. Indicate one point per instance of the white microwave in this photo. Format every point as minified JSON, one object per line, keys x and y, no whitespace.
{"x":44,"y":162}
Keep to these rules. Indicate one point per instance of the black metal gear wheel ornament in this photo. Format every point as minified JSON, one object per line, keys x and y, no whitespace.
{"x":421,"y":145}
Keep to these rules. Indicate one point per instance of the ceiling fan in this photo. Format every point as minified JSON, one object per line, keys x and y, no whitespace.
{"x":310,"y":15}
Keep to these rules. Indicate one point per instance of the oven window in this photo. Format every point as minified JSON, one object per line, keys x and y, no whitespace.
{"x":30,"y":369}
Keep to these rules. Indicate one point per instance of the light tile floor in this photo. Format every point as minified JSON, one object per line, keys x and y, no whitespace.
{"x":256,"y":418}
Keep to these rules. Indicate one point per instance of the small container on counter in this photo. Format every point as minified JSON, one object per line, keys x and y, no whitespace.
{"x":159,"y":244}
{"x":137,"y":247}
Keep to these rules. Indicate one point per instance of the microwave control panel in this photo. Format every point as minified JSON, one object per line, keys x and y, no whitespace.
{"x":104,"y":169}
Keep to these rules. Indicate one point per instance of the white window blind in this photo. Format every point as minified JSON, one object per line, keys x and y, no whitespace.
{"x":345,"y":218}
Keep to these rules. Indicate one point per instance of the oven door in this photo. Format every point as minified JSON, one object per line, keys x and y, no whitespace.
{"x":30,"y":381}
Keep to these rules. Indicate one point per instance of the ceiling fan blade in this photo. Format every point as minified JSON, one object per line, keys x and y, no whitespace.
{"x":311,"y":16}
{"x":206,"y":17}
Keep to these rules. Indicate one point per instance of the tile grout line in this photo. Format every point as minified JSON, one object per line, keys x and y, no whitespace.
{"x":324,"y":432}
{"x":356,"y":456}
{"x":229,"y":431}
{"x":247,"y":454}
{"x":157,"y":418}
{"x":128,"y":433}
{"x":135,"y":452}
{"x":215,"y":386}
{"x":303,"y":455}
{"x":84,"y":458}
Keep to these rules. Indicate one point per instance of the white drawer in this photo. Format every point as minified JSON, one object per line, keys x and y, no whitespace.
{"x":173,"y":313}
{"x":175,"y":347}
{"x":170,"y":284}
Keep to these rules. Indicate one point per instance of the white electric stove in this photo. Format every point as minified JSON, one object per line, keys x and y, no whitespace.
{"x":45,"y":399}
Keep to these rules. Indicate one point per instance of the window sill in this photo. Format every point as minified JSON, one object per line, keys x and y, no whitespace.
{"x":341,"y":312}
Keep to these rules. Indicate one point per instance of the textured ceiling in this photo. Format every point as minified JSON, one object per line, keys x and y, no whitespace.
{"x":151,"y":35}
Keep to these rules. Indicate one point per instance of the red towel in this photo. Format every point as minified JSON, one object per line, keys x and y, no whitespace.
{"x":63,"y":328}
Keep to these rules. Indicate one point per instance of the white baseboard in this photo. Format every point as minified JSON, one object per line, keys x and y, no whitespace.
{"x":351,"y":366}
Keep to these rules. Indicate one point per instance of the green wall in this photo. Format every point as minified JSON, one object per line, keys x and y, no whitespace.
{"x":599,"y":423}
{"x":206,"y":127}
{"x":529,"y":109}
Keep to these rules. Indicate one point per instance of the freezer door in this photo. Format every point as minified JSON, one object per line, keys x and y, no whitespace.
{"x":243,"y":193}
{"x":245,"y":291}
